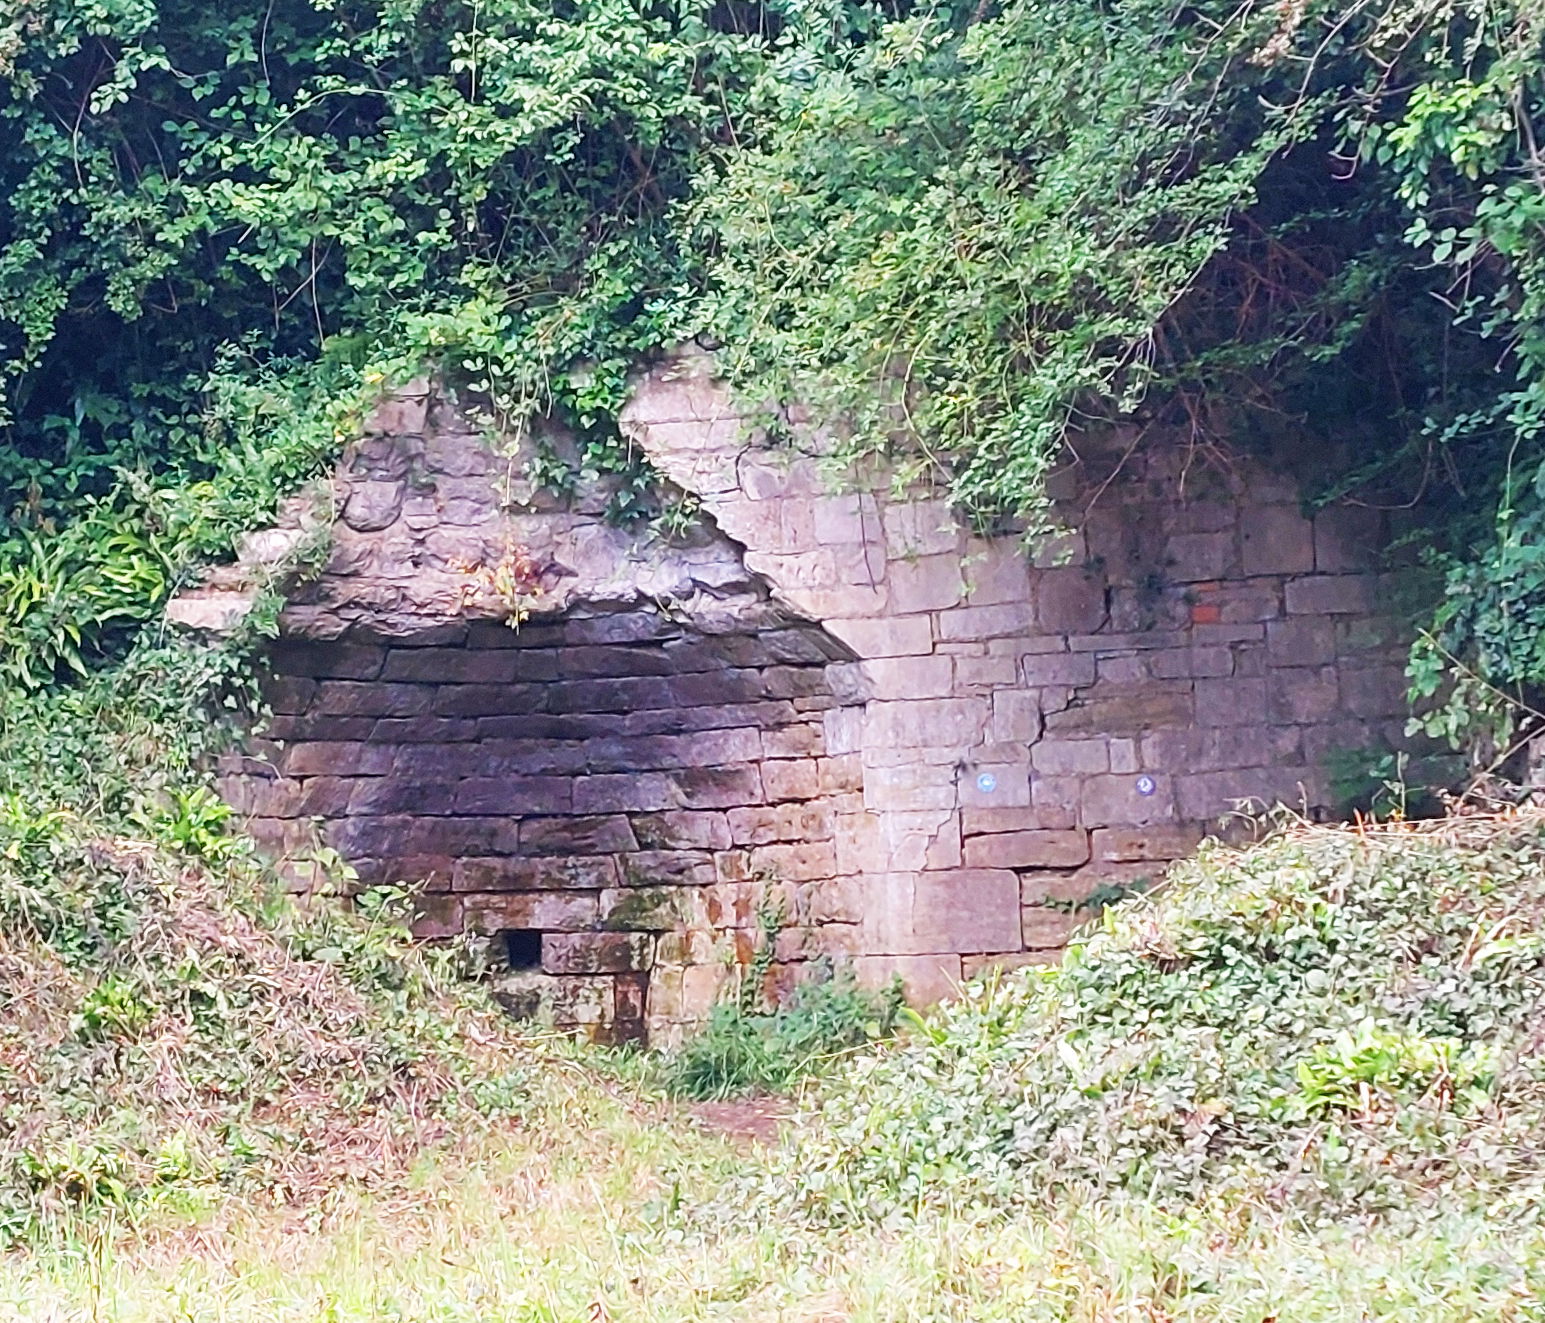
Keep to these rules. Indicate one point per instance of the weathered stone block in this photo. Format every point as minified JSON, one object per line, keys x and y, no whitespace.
{"x":339,"y":758}
{"x":384,"y":794}
{"x":595,"y":952}
{"x":723,"y":787}
{"x":667,"y":868}
{"x":1329,"y":594}
{"x":800,"y":740}
{"x":1111,"y":799}
{"x":1158,"y":841}
{"x":1276,"y":539}
{"x":1047,"y":928}
{"x":547,"y":911}
{"x":641,"y":792}
{"x":453,"y":666}
{"x":783,"y":822}
{"x":1347,"y":538}
{"x":558,"y":873}
{"x":917,"y":723}
{"x":1071,"y":600}
{"x":925,"y":979}
{"x":358,"y":698}
{"x":928,"y":583}
{"x":1028,"y":849}
{"x":682,"y":830}
{"x":1301,"y":695}
{"x":605,"y":834}
{"x":990,"y":783}
{"x":984,"y":622}
{"x":515,"y":794}
{"x":910,"y":677}
{"x":971,"y":910}
{"x":921,"y":528}
{"x":786,"y":779}
{"x":795,"y":863}
{"x":892,"y":636}
{"x":1231,"y":702}
{"x":1194,"y":557}
{"x":1124,"y":711}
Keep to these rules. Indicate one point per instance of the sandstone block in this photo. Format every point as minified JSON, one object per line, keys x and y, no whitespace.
{"x":341,"y":758}
{"x":801,"y":740}
{"x":918,"y":723}
{"x":1070,"y":600}
{"x":926,"y":979}
{"x":423,"y":730}
{"x":732,"y":785}
{"x":1157,"y":842}
{"x":1376,"y":691}
{"x":1231,"y":702}
{"x":1071,"y":758}
{"x":381,"y":794}
{"x":1301,"y":695}
{"x":795,"y":863}
{"x":354,"y":698}
{"x":928,"y":583}
{"x":1329,"y":594}
{"x":682,"y":830}
{"x":437,"y":916}
{"x":1347,"y":538}
{"x":921,"y":528}
{"x":557,"y":873}
{"x":786,"y":779}
{"x":911,"y":786}
{"x":783,"y":822}
{"x":1125,"y":710}
{"x":893,"y":636}
{"x":595,"y":953}
{"x":997,"y":570}
{"x":985,"y":784}
{"x":604,"y":834}
{"x":1046,"y":928}
{"x":1195,"y":557}
{"x":969,"y":910}
{"x":667,"y":868}
{"x":330,"y":661}
{"x":971,"y":623}
{"x":1028,"y":849}
{"x":1187,"y":663}
{"x":515,"y":794}
{"x":641,"y":792}
{"x":910,"y":677}
{"x":547,"y":911}
{"x":1118,"y":800}
{"x":1276,"y":539}
{"x":1016,"y":716}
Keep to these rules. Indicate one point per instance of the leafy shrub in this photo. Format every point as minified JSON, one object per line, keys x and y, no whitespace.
{"x":171,"y":1025}
{"x":1331,"y":1018}
{"x":745,"y":1050}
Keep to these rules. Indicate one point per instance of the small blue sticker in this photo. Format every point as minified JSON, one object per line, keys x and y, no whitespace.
{"x":1146,"y":785}
{"x":986,"y":783}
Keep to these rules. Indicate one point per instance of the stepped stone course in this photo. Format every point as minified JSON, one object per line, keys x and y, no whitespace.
{"x":922,"y":748}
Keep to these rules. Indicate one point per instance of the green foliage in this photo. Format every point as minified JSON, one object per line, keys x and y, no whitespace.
{"x":954,"y":238}
{"x":1329,"y":1020}
{"x":171,"y":1025}
{"x":749,"y":1047}
{"x":739,"y":1052}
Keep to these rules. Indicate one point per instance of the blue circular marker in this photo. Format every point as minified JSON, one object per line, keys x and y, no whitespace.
{"x":986,"y":782}
{"x":1146,"y":785}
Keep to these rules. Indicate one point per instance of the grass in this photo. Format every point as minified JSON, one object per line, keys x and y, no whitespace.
{"x":578,"y":1216}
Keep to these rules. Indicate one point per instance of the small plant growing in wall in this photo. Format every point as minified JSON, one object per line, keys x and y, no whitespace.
{"x":748,"y":1046}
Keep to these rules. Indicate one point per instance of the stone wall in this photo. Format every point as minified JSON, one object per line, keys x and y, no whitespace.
{"x":929,"y":748}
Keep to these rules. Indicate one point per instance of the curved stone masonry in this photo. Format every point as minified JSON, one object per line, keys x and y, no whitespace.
{"x":924,"y":749}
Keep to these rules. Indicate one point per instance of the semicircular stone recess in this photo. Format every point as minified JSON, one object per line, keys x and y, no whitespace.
{"x":835,"y":715}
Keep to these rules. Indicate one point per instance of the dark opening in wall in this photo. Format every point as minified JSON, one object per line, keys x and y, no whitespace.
{"x":522,"y":947}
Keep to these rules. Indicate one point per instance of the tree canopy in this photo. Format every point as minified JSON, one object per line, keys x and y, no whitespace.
{"x":961,"y":230}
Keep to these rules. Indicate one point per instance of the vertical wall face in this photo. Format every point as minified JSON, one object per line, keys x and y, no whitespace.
{"x":1042,"y":729}
{"x":611,"y":802}
{"x":929,"y":749}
